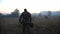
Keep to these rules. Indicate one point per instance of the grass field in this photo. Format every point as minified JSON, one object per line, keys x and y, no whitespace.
{"x":51,"y":25}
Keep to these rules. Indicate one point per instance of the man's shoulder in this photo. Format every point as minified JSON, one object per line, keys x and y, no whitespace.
{"x":26,"y":13}
{"x":22,"y":13}
{"x":29,"y":13}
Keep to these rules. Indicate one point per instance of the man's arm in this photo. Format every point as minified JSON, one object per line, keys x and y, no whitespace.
{"x":30,"y":18}
{"x":31,"y":24}
{"x":20,"y":19}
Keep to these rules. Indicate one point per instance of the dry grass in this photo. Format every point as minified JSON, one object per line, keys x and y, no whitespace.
{"x":41,"y":26}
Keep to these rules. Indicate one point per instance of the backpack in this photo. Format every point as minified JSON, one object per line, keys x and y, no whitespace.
{"x":26,"y":17}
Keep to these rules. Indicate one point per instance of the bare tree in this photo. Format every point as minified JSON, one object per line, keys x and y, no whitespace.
{"x":49,"y":13}
{"x":15,"y":13}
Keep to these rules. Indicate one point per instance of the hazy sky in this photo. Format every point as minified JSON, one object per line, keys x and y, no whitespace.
{"x":33,"y":6}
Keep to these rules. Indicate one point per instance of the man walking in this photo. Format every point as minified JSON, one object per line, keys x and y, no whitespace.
{"x":25,"y":19}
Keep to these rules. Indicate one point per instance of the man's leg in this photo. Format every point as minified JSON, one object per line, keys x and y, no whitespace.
{"x":28,"y":29}
{"x":24,"y":29}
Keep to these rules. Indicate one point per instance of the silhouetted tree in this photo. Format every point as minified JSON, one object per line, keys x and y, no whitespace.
{"x":15,"y":13}
{"x":0,"y":14}
{"x":49,"y":13}
{"x":39,"y":14}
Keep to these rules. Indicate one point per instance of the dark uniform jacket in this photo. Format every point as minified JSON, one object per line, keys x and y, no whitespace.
{"x":25,"y":18}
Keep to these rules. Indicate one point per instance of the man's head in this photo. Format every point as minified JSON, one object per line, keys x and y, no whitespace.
{"x":25,"y":10}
